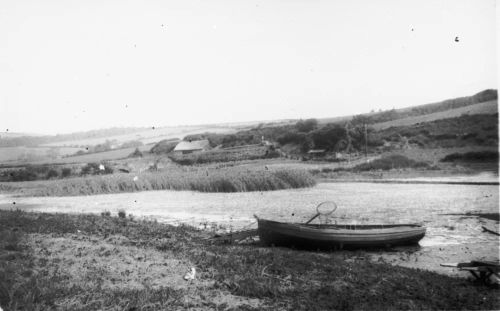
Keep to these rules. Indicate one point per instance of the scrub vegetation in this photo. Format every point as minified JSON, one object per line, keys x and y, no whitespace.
{"x":389,"y":162}
{"x":473,"y":156}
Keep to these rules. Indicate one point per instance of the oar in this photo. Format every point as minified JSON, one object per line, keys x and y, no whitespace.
{"x":325,"y":208}
{"x":314,"y":217}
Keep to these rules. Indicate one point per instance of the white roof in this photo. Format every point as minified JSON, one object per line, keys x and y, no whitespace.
{"x":192,"y":145}
{"x":316,"y":151}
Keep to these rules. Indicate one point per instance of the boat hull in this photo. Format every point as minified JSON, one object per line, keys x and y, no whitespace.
{"x":337,"y":236}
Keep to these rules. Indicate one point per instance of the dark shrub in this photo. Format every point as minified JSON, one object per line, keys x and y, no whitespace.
{"x":478,"y":156}
{"x":292,"y":138}
{"x":445,"y":136}
{"x":375,"y":141}
{"x":52,"y":173}
{"x":469,"y":135}
{"x":90,"y":169}
{"x":136,"y":154}
{"x":66,"y":172}
{"x":108,"y":169}
{"x":25,"y":174}
{"x":420,"y":140}
{"x":306,"y":125}
{"x":272,"y":153}
{"x":479,"y":140}
{"x":328,"y":137}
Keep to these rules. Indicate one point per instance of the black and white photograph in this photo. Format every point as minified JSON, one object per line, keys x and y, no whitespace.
{"x":249,"y":155}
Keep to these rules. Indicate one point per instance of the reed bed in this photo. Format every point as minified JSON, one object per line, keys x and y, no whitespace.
{"x":235,"y":179}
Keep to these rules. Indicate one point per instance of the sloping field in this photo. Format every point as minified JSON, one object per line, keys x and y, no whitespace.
{"x":102,"y":156}
{"x":489,"y":107}
{"x":15,"y":134}
{"x":148,"y":136}
{"x":334,"y":119}
{"x":42,"y":158}
{"x":10,"y":154}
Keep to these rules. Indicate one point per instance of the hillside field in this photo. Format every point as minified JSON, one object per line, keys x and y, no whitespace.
{"x":490,"y":107}
{"x":149,"y":136}
{"x":33,"y":154}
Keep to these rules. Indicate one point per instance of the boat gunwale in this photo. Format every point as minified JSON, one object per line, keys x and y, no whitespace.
{"x":349,"y":227}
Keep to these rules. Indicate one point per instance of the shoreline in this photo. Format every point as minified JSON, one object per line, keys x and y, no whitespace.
{"x":406,"y":181}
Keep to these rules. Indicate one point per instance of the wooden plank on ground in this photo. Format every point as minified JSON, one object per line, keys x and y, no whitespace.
{"x":491,"y":229}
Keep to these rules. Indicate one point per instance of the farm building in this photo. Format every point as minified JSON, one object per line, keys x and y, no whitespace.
{"x":339,"y":155}
{"x":185,"y":147}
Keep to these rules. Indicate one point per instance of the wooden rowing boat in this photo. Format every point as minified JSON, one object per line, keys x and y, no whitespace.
{"x":314,"y":236}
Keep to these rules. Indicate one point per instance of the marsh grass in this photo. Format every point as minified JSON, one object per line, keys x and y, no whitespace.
{"x":389,"y":162}
{"x":279,"y":278}
{"x":233,"y":179}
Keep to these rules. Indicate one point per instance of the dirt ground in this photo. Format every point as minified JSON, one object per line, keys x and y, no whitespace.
{"x":117,"y":263}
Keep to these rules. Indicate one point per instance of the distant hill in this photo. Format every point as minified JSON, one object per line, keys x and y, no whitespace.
{"x":29,"y":140}
{"x":421,"y":110}
{"x":482,"y":102}
{"x":460,"y":122}
{"x":10,"y":135}
{"x":489,"y":107}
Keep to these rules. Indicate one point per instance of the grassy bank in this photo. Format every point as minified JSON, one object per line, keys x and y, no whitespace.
{"x":232,"y":179}
{"x":389,"y":162}
{"x":226,"y":155}
{"x":88,"y":262}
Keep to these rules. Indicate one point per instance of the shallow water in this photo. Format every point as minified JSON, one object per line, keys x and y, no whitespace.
{"x":358,"y":203}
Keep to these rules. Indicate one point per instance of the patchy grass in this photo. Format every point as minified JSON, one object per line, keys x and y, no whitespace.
{"x":390,"y":162}
{"x":473,"y":156}
{"x":231,"y":179}
{"x":68,"y":262}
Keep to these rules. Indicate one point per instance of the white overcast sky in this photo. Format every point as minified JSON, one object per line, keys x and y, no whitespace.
{"x":72,"y":65}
